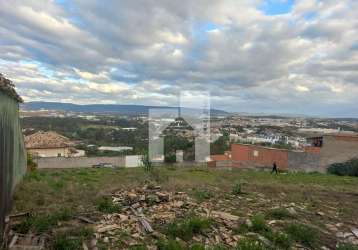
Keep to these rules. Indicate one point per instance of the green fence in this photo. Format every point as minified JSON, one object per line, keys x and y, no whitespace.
{"x":12,"y":153}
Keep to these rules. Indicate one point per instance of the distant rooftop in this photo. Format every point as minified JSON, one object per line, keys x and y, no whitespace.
{"x":43,"y":140}
{"x":7,"y":87}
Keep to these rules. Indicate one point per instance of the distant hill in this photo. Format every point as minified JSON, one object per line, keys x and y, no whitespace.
{"x":102,"y":108}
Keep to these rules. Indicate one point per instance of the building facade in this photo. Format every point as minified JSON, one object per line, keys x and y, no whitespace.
{"x":49,"y":144}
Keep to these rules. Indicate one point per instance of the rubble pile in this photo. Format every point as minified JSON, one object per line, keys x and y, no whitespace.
{"x":146,"y":209}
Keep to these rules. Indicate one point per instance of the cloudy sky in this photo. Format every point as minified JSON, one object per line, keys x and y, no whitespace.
{"x":275,"y":56}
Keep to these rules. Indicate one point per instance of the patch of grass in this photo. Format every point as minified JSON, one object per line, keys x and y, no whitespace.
{"x":249,"y":244}
{"x":43,"y":223}
{"x":203,"y":194}
{"x":170,"y":245}
{"x":259,"y":224}
{"x":185,"y":229}
{"x":138,"y":247}
{"x":72,"y":239}
{"x":302,"y":233}
{"x":106,"y":205}
{"x":347,"y":247}
{"x":279,"y":239}
{"x":279,"y":214}
{"x":241,"y":229}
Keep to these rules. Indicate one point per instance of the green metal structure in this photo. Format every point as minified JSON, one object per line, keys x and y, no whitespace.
{"x":12,"y":149}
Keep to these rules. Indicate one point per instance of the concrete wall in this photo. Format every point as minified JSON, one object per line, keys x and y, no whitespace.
{"x":133,"y":161}
{"x":77,"y":162}
{"x":302,"y":161}
{"x":338,"y":149}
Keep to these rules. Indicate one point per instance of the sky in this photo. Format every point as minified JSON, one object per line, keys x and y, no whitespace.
{"x":266,"y":56}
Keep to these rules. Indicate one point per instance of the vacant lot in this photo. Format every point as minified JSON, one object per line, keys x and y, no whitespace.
{"x":187,"y":209}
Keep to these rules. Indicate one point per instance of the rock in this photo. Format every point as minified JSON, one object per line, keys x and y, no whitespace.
{"x":264,"y":240}
{"x":178,"y":204}
{"x":248,"y":223}
{"x":332,"y":227}
{"x":355,"y":232}
{"x":102,"y":229}
{"x":164,"y":197}
{"x":347,"y":235}
{"x":320,"y":214}
{"x":225,"y":216}
{"x":106,"y":239}
{"x":340,"y":235}
{"x":292,"y":211}
{"x":272,"y":222}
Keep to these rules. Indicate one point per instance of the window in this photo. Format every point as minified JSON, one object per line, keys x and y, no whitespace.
{"x":256,"y":153}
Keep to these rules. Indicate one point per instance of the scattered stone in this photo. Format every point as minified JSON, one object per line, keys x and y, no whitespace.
{"x":320,"y":214}
{"x":225,"y":216}
{"x":292,"y":211}
{"x":355,"y":232}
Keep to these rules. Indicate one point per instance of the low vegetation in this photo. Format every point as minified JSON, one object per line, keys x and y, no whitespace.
{"x":274,"y":212}
{"x":349,"y":168}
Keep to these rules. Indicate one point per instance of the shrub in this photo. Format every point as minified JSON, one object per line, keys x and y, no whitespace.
{"x":237,"y":188}
{"x":259,"y":223}
{"x":185,"y":229}
{"x":280,"y":240}
{"x":106,"y":205}
{"x":302,"y":234}
{"x":31,"y":165}
{"x":349,"y":168}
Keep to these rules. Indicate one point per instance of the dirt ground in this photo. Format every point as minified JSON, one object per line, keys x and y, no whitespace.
{"x":188,"y":208}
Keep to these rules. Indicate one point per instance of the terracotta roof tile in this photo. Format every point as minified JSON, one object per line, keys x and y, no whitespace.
{"x":46,"y":140}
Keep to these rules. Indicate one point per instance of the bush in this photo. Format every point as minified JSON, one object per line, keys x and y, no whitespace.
{"x":302,"y":234}
{"x":349,"y":168}
{"x":259,"y":224}
{"x":31,"y":165}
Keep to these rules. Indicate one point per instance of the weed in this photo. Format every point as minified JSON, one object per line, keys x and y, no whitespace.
{"x":202,"y":195}
{"x":186,"y":228}
{"x":105,"y":205}
{"x":249,"y":244}
{"x":302,"y":233}
{"x":41,"y":224}
{"x":347,"y":247}
{"x":280,"y":240}
{"x":138,"y":247}
{"x":169,"y":245}
{"x":279,"y":214}
{"x":72,"y":239}
{"x":237,"y":188}
{"x":259,"y":223}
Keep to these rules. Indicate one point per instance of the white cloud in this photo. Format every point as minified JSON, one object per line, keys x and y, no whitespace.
{"x":147,"y":51}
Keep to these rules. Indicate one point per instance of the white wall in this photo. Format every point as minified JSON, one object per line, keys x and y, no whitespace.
{"x":133,"y":161}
